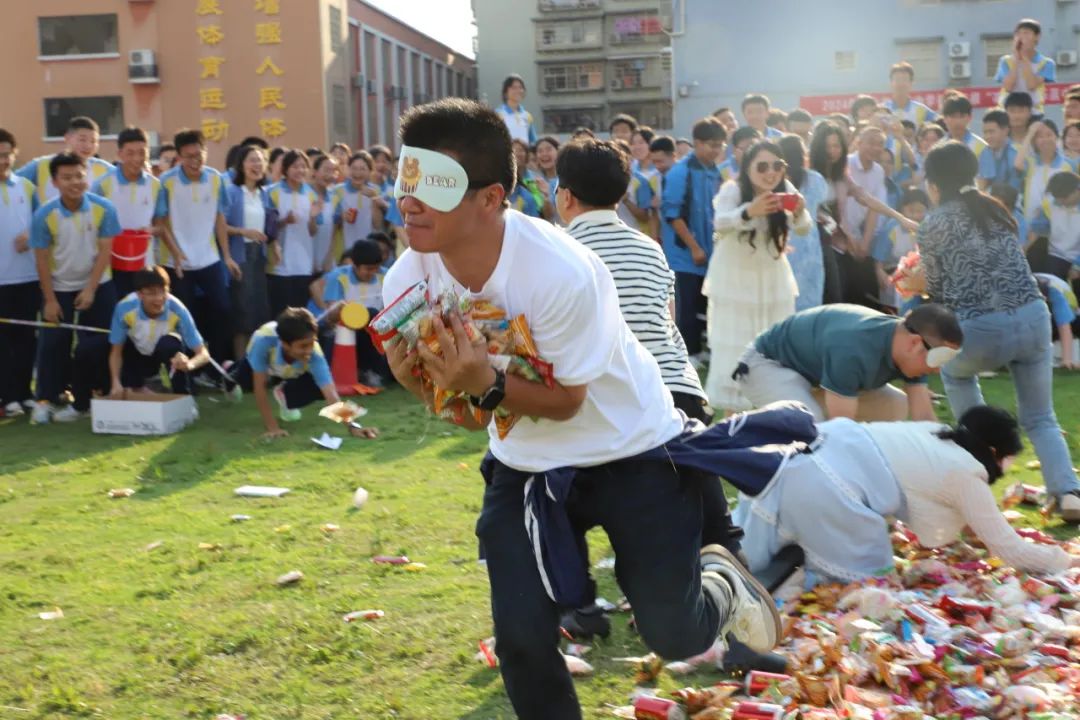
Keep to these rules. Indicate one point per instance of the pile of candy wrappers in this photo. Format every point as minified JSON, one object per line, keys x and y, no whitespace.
{"x":953,"y":634}
{"x":410,"y":319}
{"x":909,"y":279}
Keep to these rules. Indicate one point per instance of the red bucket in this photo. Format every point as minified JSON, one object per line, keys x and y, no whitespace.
{"x":129,"y":250}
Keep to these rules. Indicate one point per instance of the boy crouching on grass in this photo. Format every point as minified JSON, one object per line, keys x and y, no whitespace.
{"x":151,"y":328}
{"x":284,"y":354}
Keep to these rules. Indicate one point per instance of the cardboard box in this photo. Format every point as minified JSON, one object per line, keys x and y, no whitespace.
{"x":143,"y":414}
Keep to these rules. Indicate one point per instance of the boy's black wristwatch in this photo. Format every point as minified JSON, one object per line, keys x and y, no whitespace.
{"x":494,"y":395}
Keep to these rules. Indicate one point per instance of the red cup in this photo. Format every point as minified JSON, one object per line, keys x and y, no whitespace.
{"x":350,"y":215}
{"x":789,"y":201}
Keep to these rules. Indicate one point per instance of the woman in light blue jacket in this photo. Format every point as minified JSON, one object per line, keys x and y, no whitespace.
{"x":250,"y":223}
{"x":806,"y":258}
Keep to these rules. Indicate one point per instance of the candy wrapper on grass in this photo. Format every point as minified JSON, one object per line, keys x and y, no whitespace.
{"x":510,"y":345}
{"x":909,"y":278}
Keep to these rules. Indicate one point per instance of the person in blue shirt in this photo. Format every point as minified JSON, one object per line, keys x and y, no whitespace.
{"x":901,"y":79}
{"x":1009,"y":196}
{"x":755,"y":110}
{"x":151,"y":328}
{"x":998,"y":163}
{"x":1019,"y":108}
{"x":1026,"y":70}
{"x":360,"y":280}
{"x":71,"y":236}
{"x":893,"y":242}
{"x":284,"y":358}
{"x":1061,"y":299}
{"x":863,"y":108}
{"x":622,"y":127}
{"x":518,"y":120}
{"x":957,"y":113}
{"x":687,"y":206}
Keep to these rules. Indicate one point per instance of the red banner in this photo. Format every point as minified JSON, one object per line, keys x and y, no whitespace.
{"x":980,"y":97}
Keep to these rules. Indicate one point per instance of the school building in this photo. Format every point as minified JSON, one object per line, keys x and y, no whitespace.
{"x":300,"y":73}
{"x":819,"y":54}
{"x":585,"y":60}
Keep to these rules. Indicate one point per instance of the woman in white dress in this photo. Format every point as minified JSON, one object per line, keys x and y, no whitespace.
{"x":749,"y":281}
{"x":837,"y":501}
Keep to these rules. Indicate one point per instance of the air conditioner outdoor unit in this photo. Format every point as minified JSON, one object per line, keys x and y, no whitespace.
{"x":959,"y":70}
{"x":371,"y":87}
{"x":959,"y":49}
{"x":358,"y":81}
{"x":1066,"y":58}
{"x":616,"y":84}
{"x":142,"y":66}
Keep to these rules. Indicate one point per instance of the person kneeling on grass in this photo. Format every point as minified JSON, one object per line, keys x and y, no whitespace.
{"x":151,"y":328}
{"x":837,"y":502}
{"x":284,"y":354}
{"x":360,"y":280}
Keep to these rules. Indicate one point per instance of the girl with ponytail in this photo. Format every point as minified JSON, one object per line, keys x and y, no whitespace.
{"x":975,"y":266}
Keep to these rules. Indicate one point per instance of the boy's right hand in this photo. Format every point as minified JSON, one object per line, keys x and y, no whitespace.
{"x":401,"y":363}
{"x":274,"y":434}
{"x":52,"y":312}
{"x":117,"y":391}
{"x":698,"y":255}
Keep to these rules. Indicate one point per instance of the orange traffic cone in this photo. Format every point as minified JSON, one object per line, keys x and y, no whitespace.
{"x":343,"y":362}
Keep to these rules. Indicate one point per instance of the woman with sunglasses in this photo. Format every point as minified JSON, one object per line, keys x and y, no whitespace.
{"x":975,"y":266}
{"x":838,"y":502}
{"x":749,"y":281}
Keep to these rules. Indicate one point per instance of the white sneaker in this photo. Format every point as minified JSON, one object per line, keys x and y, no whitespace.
{"x":372,"y":379}
{"x":1069,"y":506}
{"x":68,"y":414}
{"x":13,"y":409}
{"x":284,"y":412}
{"x":29,"y":404}
{"x":752,"y":617}
{"x":41,"y":414}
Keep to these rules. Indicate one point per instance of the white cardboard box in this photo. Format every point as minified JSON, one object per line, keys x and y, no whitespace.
{"x":145,"y":414}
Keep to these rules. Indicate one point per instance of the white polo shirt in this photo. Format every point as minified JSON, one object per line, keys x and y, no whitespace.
{"x":72,"y":239}
{"x":136,"y":202}
{"x":17,"y":205}
{"x":324,"y":234}
{"x":568,"y":297}
{"x":192,"y":208}
{"x":873,"y":182}
{"x":296,"y":243}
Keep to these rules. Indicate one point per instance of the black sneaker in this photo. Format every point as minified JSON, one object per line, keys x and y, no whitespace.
{"x":585,"y":623}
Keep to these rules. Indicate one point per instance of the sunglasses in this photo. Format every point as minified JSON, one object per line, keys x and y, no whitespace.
{"x":763,"y":166}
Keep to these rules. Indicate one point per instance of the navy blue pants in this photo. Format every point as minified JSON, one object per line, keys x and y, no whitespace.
{"x":299,"y":391}
{"x":212,"y":282}
{"x":653,"y":519}
{"x":18,"y":343}
{"x":54,"y":345}
{"x":138,"y":367}
{"x":691,"y":308}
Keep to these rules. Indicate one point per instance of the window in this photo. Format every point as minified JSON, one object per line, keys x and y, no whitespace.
{"x":74,"y":35}
{"x":573,"y":78}
{"x":994,"y":48}
{"x":107,"y":111}
{"x":565,"y":120}
{"x":636,"y":74}
{"x":925,"y":57}
{"x":627,"y":29}
{"x":844,"y":60}
{"x":568,"y":4}
{"x":566,"y":34}
{"x":341,"y":110}
{"x":654,"y":113}
{"x":336,"y":41}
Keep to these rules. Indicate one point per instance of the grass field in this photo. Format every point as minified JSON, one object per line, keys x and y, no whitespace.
{"x":183,"y":632}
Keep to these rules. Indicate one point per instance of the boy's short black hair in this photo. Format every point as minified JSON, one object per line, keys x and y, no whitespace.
{"x":471,"y":131}
{"x":81,"y":122}
{"x":296,"y":324}
{"x":256,"y":141}
{"x":510,"y":80}
{"x":647,"y":133}
{"x":596,"y":172}
{"x":720,"y":111}
{"x":1006,"y":193}
{"x":130,"y":135}
{"x":1029,"y":24}
{"x":64,"y":159}
{"x":664,"y":144}
{"x":341,"y":146}
{"x":914,"y":195}
{"x":860,"y":102}
{"x":777,"y":118}
{"x":1018,"y":99}
{"x":150,"y":277}
{"x":684,"y":141}
{"x":580,"y":131}
{"x":376,"y":150}
{"x":1063,"y":184}
{"x":956,"y":105}
{"x":6,"y":136}
{"x":186,"y":137}
{"x":755,"y":99}
{"x":908,"y":124}
{"x":382,"y":238}
{"x":365,"y":252}
{"x":709,"y":129}
{"x":997,"y":117}
{"x":623,"y":119}
{"x":799,"y":115}
{"x":936,"y":322}
{"x":744,"y":133}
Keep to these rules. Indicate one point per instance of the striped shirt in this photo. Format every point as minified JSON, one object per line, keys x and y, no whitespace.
{"x":646,"y":287}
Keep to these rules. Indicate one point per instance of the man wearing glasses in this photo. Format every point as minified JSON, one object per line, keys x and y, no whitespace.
{"x":839,"y":360}
{"x":193,"y":199}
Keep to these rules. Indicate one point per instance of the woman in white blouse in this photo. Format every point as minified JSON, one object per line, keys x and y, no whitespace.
{"x":247,"y":227}
{"x":837,"y":502}
{"x":749,"y":281}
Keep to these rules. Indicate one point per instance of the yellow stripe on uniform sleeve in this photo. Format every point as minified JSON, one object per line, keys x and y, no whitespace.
{"x":129,"y":318}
